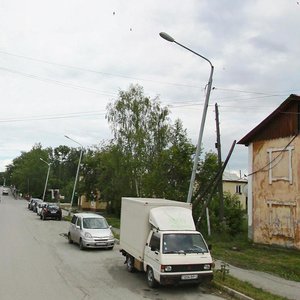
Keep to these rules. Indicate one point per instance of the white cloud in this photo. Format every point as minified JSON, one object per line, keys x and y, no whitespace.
{"x":252,"y":44}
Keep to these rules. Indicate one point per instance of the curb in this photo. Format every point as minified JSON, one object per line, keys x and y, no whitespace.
{"x":233,"y":293}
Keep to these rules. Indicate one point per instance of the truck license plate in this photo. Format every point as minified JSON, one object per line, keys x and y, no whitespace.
{"x":189,"y":277}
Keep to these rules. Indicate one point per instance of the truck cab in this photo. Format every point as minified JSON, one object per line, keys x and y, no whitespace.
{"x":172,"y":257}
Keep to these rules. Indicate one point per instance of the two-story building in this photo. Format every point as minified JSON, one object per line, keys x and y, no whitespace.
{"x":236,"y":185}
{"x":274,"y":176}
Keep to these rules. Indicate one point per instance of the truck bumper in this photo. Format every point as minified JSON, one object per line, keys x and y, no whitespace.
{"x":185,"y":279}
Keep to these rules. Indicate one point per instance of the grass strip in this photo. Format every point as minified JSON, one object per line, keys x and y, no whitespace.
{"x":244,"y":287}
{"x":242,"y":253}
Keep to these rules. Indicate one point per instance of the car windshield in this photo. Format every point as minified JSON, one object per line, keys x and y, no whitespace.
{"x":183,"y":243}
{"x":52,"y":207}
{"x":94,"y":223}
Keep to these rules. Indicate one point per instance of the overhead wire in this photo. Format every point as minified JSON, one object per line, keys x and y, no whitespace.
{"x":97,"y":72}
{"x":54,"y":81}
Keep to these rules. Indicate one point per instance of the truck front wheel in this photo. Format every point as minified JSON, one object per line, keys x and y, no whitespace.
{"x":130,"y":263}
{"x":152,"y":283}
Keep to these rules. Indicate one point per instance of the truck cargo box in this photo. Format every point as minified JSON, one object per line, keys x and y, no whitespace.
{"x":135,"y":225}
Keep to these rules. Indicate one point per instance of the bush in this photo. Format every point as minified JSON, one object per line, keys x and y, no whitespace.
{"x":233,"y":222}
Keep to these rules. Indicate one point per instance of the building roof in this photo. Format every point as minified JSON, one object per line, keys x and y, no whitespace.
{"x":227,"y":176}
{"x":282,"y":122}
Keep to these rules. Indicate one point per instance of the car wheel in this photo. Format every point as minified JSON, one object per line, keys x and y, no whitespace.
{"x":130,"y":263}
{"x":150,"y":278}
{"x":69,"y":238}
{"x":81,"y":246}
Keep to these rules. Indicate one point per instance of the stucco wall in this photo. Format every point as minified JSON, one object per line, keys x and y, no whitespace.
{"x":275,"y":192}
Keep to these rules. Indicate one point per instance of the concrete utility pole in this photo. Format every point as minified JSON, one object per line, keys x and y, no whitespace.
{"x":77,"y":172}
{"x":49,"y":165}
{"x":218,"y":146}
{"x":208,"y":90}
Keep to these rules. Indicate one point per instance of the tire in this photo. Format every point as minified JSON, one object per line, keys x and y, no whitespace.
{"x":152,"y":283}
{"x":41,"y":217}
{"x":81,"y":246}
{"x":130,"y":263}
{"x":70,"y":239}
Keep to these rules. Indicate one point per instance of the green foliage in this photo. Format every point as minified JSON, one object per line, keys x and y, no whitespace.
{"x":27,"y":171}
{"x":233,"y":214}
{"x":168,"y":175}
{"x":148,"y":157}
{"x":141,"y":130}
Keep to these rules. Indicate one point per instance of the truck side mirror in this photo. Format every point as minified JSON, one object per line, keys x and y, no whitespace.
{"x":209,"y":247}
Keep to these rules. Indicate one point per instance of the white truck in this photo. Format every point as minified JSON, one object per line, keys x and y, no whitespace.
{"x":158,"y":236}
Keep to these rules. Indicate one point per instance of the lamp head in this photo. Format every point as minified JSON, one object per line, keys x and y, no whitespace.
{"x":167,"y":37}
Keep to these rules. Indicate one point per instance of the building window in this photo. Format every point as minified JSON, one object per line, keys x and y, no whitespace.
{"x":280,"y":164}
{"x":238,"y":189}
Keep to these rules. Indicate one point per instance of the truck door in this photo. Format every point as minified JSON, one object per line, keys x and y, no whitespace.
{"x":153,"y":253}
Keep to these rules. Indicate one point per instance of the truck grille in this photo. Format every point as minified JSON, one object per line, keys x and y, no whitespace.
{"x":187,"y":268}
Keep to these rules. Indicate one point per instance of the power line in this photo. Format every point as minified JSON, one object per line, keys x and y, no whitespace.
{"x":54,"y":81}
{"x":95,"y":71}
{"x":55,"y":116}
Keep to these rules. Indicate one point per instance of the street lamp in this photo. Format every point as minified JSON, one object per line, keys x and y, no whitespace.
{"x":170,"y":39}
{"x":49,"y":164}
{"x":78,"y":167}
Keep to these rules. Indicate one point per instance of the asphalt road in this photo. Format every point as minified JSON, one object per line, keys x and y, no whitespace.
{"x":36,"y":262}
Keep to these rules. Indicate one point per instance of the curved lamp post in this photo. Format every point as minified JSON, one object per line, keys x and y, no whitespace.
{"x":46,"y":183}
{"x":78,"y":167}
{"x":170,"y":39}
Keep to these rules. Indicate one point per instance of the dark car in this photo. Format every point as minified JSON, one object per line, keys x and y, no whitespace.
{"x":51,"y":211}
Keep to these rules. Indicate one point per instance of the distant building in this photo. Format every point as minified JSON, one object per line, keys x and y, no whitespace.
{"x":274,"y":177}
{"x":236,"y":185}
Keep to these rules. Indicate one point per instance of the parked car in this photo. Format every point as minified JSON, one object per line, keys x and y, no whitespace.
{"x":51,"y":211}
{"x":39,"y":208}
{"x":31,"y":203}
{"x":35,"y":204}
{"x":5,"y":191}
{"x":90,"y":230}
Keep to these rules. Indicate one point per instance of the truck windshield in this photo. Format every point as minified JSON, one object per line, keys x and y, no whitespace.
{"x":183,"y":243}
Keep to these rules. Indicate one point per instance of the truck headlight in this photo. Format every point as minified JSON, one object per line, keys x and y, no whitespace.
{"x":166,"y":268}
{"x":206,"y":267}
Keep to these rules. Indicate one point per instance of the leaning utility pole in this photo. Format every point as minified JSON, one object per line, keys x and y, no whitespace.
{"x":218,"y":146}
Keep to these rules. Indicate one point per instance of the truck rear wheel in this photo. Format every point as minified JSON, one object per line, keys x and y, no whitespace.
{"x":152,"y":283}
{"x":130,"y":263}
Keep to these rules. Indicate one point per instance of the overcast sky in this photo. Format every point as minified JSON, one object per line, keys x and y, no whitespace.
{"x":62,"y":62}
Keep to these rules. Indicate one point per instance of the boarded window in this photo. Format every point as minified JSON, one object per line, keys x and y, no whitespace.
{"x":282,"y":218}
{"x":280,"y":164}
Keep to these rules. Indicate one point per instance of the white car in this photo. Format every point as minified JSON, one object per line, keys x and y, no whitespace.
{"x":5,"y":191}
{"x":39,"y":207}
{"x":90,"y":230}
